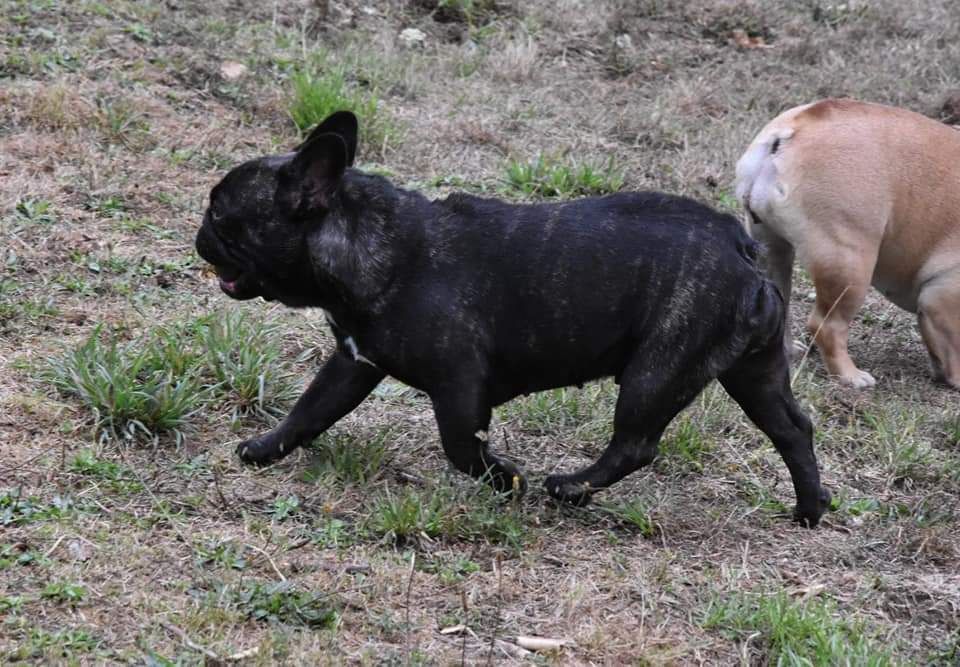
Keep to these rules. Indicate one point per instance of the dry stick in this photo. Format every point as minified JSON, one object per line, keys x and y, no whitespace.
{"x":816,"y":333}
{"x":267,"y":556}
{"x":496,"y":628}
{"x":406,"y":619}
{"x":190,"y":643}
{"x":463,"y":644}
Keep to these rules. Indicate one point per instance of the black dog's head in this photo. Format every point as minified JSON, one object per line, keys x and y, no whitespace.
{"x":256,"y":227}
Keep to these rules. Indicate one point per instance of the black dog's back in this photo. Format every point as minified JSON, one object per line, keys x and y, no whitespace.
{"x":588,"y":281}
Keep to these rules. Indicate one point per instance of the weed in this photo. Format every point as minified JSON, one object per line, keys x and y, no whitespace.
{"x":475,"y":514}
{"x":547,"y":177}
{"x":155,"y":383}
{"x":800,"y":633}
{"x":118,"y":478}
{"x":587,"y":411}
{"x":64,"y":592}
{"x":284,"y":508}
{"x":35,"y":211}
{"x":282,"y":603}
{"x":64,"y":644}
{"x":900,"y":447}
{"x":350,"y":458}
{"x":332,"y":534}
{"x":684,"y":444}
{"x":319,"y":91}
{"x":18,"y":511}
{"x":243,"y":357}
{"x":109,"y":207}
{"x":450,"y":571}
{"x":18,"y":554}
{"x":634,"y":513}
{"x":762,"y":498}
{"x":405,"y":516}
{"x":128,"y":387}
{"x":225,"y":554}
{"x":121,"y":122}
{"x":10,"y":603}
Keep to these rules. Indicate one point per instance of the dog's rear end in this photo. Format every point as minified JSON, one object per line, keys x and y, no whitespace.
{"x":862,"y":194}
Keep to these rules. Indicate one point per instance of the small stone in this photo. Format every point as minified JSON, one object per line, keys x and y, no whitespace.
{"x":413,"y":37}
{"x":231,"y":71}
{"x":623,"y":42}
{"x":79,"y":550}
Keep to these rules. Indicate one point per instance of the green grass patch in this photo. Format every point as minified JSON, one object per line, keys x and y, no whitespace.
{"x":319,"y":90}
{"x":549,"y":177}
{"x":351,"y":459}
{"x":634,"y":515}
{"x":116,"y":477}
{"x":156,"y":382}
{"x":587,"y":412}
{"x":476,"y":513}
{"x":684,"y":445}
{"x":243,"y":356}
{"x":794,"y":633}
{"x":18,"y":511}
{"x":131,"y":388}
{"x":282,"y":603}
{"x":41,"y":644}
{"x":35,"y":211}
{"x":64,"y":593}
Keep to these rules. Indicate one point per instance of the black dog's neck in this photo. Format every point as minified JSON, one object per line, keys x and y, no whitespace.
{"x":354,"y":250}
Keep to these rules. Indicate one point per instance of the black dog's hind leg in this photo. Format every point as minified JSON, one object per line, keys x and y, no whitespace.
{"x":463,"y":417}
{"x":760,"y":383}
{"x":646,"y":404}
{"x":339,"y":387}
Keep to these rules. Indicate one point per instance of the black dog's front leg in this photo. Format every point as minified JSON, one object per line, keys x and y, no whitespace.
{"x":337,"y":389}
{"x":463,"y":416}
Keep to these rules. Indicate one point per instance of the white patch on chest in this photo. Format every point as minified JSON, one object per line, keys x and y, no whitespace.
{"x":354,"y":351}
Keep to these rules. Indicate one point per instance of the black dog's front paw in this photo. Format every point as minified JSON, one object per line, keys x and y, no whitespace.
{"x":569,"y":490}
{"x":264,"y":449}
{"x":809,"y":517}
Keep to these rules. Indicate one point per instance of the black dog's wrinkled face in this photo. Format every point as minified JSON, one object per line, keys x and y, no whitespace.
{"x":254,"y":230}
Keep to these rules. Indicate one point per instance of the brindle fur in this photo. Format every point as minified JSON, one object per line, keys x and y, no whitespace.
{"x":476,"y":301}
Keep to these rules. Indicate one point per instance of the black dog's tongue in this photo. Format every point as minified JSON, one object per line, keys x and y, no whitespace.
{"x":228,"y":285}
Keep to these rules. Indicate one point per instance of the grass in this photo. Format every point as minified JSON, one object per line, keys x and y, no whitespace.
{"x":64,"y":593}
{"x":351,"y":459}
{"x":118,"y":122}
{"x":282,"y":603}
{"x":152,"y":385}
{"x":476,"y":513}
{"x":549,"y":177}
{"x":131,"y":389}
{"x":320,"y":90}
{"x":787,"y":632}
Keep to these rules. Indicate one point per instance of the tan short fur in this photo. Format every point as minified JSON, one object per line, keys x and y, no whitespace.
{"x":861,"y":194}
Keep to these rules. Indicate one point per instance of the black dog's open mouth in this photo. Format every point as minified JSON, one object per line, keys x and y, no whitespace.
{"x":236,"y":284}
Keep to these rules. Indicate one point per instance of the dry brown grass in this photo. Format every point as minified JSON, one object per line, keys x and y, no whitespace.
{"x":115,"y":124}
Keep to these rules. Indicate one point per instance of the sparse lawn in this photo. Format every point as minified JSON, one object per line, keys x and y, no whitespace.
{"x":129,"y":532}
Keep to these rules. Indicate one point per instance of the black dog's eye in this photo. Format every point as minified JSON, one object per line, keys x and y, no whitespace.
{"x":215,"y":215}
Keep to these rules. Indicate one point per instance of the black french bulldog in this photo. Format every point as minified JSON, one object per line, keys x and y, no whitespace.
{"x":476,"y":301}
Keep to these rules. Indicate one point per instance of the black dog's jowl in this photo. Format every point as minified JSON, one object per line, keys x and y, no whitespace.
{"x":476,"y":301}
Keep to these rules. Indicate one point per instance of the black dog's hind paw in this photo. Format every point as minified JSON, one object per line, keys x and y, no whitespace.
{"x":505,"y":477}
{"x":810,"y":517}
{"x":568,"y":490}
{"x":263,"y":450}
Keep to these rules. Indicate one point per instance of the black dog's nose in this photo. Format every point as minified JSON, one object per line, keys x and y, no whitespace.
{"x":204,"y":244}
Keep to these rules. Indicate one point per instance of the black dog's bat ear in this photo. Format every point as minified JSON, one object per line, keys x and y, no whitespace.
{"x":344,"y":125}
{"x":309,"y":181}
